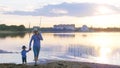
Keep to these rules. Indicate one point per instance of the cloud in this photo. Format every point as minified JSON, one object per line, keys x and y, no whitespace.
{"x":70,"y":9}
{"x":59,"y":11}
{"x":4,"y":8}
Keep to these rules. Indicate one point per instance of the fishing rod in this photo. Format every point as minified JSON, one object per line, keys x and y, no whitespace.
{"x":40,"y":21}
{"x":40,"y":24}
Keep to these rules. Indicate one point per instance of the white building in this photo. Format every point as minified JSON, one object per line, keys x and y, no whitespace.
{"x":84,"y":28}
{"x":65,"y":27}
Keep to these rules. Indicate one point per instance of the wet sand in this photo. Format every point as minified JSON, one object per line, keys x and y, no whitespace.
{"x":61,"y":64}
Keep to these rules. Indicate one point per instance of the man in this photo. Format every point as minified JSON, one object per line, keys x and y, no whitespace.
{"x":36,"y":37}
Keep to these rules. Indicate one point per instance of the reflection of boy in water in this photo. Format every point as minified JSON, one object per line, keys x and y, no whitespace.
{"x":23,"y":53}
{"x":36,"y":37}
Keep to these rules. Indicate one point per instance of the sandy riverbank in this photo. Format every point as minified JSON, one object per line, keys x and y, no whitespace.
{"x":61,"y":64}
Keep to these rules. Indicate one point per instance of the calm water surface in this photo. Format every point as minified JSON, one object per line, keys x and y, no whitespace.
{"x":101,"y":47}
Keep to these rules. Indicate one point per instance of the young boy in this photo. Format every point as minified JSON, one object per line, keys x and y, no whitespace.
{"x":23,"y":53}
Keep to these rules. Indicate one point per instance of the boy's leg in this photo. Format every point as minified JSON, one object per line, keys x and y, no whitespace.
{"x":22,"y":60}
{"x":25,"y":60}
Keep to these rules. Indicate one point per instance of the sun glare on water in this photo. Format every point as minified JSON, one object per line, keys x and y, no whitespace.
{"x":104,"y":54}
{"x":103,"y":48}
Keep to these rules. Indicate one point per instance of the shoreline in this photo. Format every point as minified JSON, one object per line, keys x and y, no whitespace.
{"x":12,"y":32}
{"x":60,"y":64}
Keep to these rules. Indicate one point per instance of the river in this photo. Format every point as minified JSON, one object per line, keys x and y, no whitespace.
{"x":97,"y":47}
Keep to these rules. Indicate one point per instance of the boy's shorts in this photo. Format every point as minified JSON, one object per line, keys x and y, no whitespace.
{"x":24,"y":59}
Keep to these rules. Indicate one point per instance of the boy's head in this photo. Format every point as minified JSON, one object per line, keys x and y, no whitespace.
{"x":23,"y":47}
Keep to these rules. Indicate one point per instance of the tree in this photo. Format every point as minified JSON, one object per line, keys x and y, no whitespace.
{"x":12,"y":27}
{"x":21,"y":28}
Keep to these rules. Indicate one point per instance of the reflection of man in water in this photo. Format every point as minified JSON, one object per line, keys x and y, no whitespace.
{"x":36,"y":37}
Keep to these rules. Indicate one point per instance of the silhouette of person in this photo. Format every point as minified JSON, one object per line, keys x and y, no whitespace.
{"x":36,"y":37}
{"x":23,"y":53}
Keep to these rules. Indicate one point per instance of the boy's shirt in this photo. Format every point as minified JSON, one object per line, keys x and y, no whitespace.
{"x":23,"y":53}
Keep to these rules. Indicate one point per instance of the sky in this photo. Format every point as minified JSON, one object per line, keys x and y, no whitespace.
{"x":46,"y":13}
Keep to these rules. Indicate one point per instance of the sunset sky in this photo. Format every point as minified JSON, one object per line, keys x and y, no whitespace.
{"x":95,"y":13}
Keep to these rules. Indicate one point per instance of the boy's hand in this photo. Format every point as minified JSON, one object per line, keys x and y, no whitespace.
{"x":29,"y":48}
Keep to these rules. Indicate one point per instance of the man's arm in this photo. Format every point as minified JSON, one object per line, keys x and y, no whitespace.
{"x":30,"y":43}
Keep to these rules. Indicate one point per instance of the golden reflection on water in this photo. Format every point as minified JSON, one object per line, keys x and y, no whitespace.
{"x":104,"y":55}
{"x":100,"y":45}
{"x":105,"y":45}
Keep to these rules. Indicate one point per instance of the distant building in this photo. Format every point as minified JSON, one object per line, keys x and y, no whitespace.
{"x":64,"y":27}
{"x":84,"y":28}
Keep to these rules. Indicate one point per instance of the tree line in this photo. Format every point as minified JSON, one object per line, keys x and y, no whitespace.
{"x":4,"y":27}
